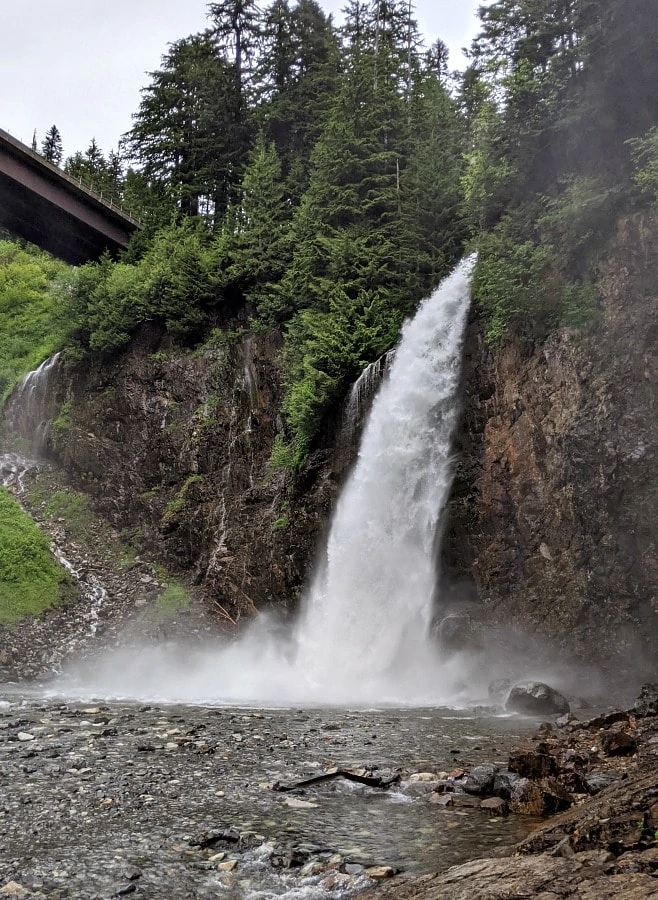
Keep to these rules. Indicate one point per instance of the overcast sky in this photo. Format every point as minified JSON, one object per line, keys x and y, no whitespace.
{"x":79,"y":64}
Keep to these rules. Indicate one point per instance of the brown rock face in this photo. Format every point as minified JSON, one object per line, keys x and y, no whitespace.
{"x":552,"y":515}
{"x":174,"y":449}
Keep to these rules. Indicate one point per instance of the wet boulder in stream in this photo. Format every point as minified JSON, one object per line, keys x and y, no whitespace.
{"x":534,"y":698}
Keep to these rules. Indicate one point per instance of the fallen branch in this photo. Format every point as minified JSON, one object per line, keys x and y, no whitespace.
{"x":375,"y":781}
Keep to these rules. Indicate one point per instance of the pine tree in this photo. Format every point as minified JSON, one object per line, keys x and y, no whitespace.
{"x":253,"y":246}
{"x":297,"y":77}
{"x":51,"y":147}
{"x":187,"y":134}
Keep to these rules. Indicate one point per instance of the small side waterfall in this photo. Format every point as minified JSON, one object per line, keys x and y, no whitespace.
{"x":25,"y":412}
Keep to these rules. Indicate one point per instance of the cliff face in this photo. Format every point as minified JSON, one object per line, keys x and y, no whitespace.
{"x":553,"y":511}
{"x":551,"y":524}
{"x":174,"y":449}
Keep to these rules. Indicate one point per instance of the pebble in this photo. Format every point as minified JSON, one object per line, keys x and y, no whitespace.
{"x":25,"y":736}
{"x":380,"y":872}
{"x":294,"y":803}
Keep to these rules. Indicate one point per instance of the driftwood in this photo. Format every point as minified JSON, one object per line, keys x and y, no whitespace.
{"x":375,"y":781}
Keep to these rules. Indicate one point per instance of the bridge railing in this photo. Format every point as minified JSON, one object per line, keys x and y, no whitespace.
{"x":76,"y":182}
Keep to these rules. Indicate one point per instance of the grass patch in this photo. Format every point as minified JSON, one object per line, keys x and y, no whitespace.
{"x":173,"y":600}
{"x":30,"y":578}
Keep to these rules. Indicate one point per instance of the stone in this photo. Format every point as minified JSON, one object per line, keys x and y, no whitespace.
{"x":228,"y":865}
{"x":480,"y":780}
{"x":381,"y":872}
{"x":444,"y":800}
{"x":647,"y":703}
{"x":294,"y":803}
{"x":532,"y":762}
{"x":496,"y":806}
{"x":354,"y":869}
{"x":539,"y":798}
{"x":25,"y":736}
{"x":313,"y":868}
{"x":503,"y":783}
{"x":423,"y":777}
{"x":566,"y":720}
{"x":14,"y":889}
{"x":616,"y":742}
{"x":534,"y":698}
{"x":599,"y":781}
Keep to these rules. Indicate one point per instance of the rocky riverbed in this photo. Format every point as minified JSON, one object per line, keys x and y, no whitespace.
{"x":110,"y":799}
{"x":603,"y":774}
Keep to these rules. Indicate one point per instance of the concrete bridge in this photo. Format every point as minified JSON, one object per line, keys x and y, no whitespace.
{"x":43,"y":205}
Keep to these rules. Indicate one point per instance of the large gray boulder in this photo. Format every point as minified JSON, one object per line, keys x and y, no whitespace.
{"x":534,"y":698}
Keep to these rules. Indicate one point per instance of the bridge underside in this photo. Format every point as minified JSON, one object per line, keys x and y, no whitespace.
{"x":34,"y":219}
{"x":42,"y":205}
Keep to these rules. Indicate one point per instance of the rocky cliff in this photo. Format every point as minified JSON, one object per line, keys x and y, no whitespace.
{"x":551,"y":522}
{"x":552,"y":519}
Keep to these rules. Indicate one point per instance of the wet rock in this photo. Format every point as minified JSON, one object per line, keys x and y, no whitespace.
{"x":443,"y":800}
{"x":599,"y":781}
{"x":608,"y":719}
{"x":539,"y":798}
{"x":647,"y":703}
{"x":532,"y":762}
{"x":24,"y":736}
{"x":503,"y":784}
{"x":496,"y":806}
{"x":423,"y":777}
{"x":381,"y":872}
{"x":14,"y":889}
{"x":534,"y":698}
{"x":618,"y":743}
{"x":480,"y":780}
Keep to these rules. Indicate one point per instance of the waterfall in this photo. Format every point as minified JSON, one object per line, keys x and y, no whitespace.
{"x":25,"y":413}
{"x":369,"y":607}
{"x":363,"y":635}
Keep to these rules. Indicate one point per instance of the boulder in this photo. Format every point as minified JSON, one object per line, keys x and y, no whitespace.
{"x":534,"y":698}
{"x":480,"y":780}
{"x":532,"y":762}
{"x":616,"y":742}
{"x":647,"y":703}
{"x":495,"y":806}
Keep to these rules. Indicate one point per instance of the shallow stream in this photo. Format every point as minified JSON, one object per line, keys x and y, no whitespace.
{"x":110,"y":797}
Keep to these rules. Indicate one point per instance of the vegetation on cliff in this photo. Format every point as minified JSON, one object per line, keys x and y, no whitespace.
{"x":29,"y":576}
{"x":29,"y":329}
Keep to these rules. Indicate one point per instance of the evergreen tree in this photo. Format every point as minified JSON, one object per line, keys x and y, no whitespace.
{"x":51,"y":147}
{"x":253,"y":248}
{"x":297,"y":77}
{"x":187,"y":134}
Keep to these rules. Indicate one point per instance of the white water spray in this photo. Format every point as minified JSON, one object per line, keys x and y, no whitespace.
{"x":369,"y":609}
{"x":363,"y":636}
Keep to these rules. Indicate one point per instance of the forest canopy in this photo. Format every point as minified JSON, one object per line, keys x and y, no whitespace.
{"x":317,"y":179}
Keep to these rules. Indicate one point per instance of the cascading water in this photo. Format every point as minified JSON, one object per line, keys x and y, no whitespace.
{"x":367,"y":617}
{"x":363,"y":636}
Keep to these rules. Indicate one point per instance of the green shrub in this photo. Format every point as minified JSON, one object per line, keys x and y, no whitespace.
{"x":29,"y":329}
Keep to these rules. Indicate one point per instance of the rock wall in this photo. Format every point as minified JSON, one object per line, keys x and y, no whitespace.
{"x":174,"y":449}
{"x":553,"y":513}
